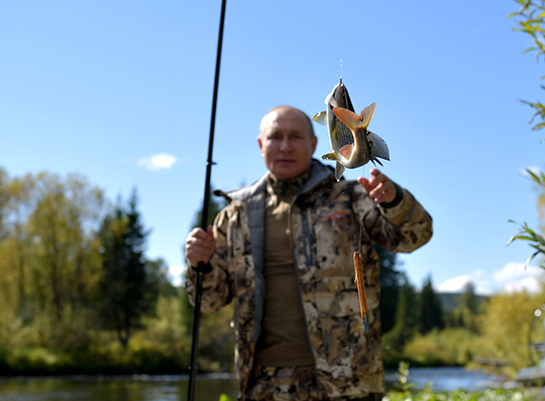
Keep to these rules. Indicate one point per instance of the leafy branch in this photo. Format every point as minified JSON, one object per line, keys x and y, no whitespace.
{"x":535,"y":240}
{"x":525,"y":233}
{"x":530,"y":19}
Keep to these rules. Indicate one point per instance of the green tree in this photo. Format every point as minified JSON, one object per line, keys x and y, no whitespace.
{"x":49,"y":261}
{"x":431,"y":313}
{"x":505,"y":324}
{"x":390,"y":280}
{"x":469,"y":299}
{"x":468,"y":309}
{"x":128,"y":289}
{"x":60,"y":229}
{"x":405,"y":318}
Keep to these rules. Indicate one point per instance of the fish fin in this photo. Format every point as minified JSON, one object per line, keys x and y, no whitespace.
{"x":320,"y":118}
{"x":330,"y":156}
{"x":339,"y":170}
{"x":379,"y":148}
{"x":366,"y":115}
{"x":348,"y":118}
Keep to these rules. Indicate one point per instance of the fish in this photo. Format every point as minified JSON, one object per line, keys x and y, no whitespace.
{"x":352,"y":143}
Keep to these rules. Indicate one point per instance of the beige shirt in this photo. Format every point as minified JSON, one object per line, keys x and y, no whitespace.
{"x":284,"y":338}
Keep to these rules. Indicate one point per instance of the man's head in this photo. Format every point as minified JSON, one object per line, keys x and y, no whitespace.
{"x":287,"y":142}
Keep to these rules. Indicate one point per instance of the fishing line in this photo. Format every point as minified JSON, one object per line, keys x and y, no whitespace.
{"x":341,"y":63}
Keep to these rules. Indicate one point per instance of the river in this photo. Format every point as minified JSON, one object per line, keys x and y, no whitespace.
{"x":208,"y":388}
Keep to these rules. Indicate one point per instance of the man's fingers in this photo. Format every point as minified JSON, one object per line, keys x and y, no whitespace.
{"x":199,"y":245}
{"x":378,"y":186}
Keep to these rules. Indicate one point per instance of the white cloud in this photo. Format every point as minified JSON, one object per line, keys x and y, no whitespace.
{"x":455,"y":284}
{"x":515,"y":277}
{"x":512,"y":277}
{"x":175,"y":273}
{"x":157,"y":162}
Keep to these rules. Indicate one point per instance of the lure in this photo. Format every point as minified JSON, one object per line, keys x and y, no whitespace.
{"x":361,"y":290}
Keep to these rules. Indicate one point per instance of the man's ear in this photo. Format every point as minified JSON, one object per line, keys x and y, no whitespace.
{"x":260,"y":144}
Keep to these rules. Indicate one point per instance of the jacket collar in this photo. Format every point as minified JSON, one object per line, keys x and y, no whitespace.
{"x":319,"y":172}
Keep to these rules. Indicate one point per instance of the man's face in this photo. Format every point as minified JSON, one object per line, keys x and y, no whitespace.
{"x":286,"y":143}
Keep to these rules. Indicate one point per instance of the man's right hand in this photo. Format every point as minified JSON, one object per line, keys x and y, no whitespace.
{"x":199,"y":246}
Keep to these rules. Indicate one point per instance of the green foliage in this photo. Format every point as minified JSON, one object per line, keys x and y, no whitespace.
{"x":468,"y":309}
{"x":405,"y":322}
{"x":56,"y":236}
{"x":534,"y":239}
{"x":214,"y":207}
{"x":390,"y":283}
{"x":128,"y":288}
{"x":504,"y":324}
{"x":449,"y":347}
{"x":525,"y":233}
{"x":430,"y":314}
{"x":530,"y":19}
{"x":403,"y":377}
{"x":427,"y":394}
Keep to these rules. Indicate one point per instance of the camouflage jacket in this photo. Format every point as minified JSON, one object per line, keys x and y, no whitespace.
{"x":325,"y":224}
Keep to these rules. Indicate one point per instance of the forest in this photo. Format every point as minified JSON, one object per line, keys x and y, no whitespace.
{"x":79,"y":295}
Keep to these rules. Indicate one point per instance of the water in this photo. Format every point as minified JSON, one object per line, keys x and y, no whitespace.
{"x":448,"y":379}
{"x":208,"y":388}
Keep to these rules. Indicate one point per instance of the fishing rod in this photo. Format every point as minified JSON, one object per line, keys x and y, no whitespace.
{"x":204,"y":220}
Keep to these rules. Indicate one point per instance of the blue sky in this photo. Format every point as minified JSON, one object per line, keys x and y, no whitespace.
{"x":122,"y":91}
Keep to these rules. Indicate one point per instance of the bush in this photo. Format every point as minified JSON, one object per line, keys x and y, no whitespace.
{"x":449,"y":347}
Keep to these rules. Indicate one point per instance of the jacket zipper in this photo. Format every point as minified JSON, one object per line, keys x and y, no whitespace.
{"x":299,"y":287}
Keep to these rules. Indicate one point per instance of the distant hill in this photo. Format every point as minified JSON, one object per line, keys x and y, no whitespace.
{"x":449,"y":300}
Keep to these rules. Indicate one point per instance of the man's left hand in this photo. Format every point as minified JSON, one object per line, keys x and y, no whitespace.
{"x":379,"y":187}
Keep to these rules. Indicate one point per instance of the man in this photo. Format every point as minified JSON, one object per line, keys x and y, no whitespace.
{"x":282,"y":251}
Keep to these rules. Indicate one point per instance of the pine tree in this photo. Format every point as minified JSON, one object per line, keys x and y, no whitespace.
{"x":128,"y":290}
{"x":405,"y":317}
{"x":469,"y":299}
{"x":431,"y":314}
{"x":390,"y":279}
{"x":465,"y":315}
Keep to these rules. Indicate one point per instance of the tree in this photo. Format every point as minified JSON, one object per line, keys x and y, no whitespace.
{"x":469,"y":308}
{"x":405,"y":318}
{"x":216,"y":204}
{"x":431,"y":314}
{"x":469,"y":300}
{"x":128,"y":289}
{"x":505,"y":326}
{"x":60,"y":228}
{"x":390,"y":280}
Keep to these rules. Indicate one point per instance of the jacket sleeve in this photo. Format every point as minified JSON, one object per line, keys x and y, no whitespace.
{"x":403,"y":227}
{"x":216,"y":292}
